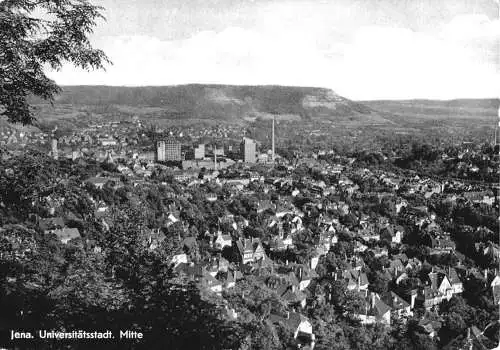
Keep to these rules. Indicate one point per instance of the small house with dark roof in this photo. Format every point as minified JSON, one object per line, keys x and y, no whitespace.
{"x":356,"y":280}
{"x":429,"y":327}
{"x":398,"y":305}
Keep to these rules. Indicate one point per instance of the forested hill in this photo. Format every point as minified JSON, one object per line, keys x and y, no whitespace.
{"x":223,"y":102}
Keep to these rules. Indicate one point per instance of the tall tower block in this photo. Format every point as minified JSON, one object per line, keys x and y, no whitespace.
{"x":160,"y":151}
{"x":54,"y":150}
{"x":248,"y":149}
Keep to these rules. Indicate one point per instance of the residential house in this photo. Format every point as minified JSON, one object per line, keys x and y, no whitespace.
{"x":413,"y":264}
{"x":398,"y":305}
{"x":288,"y":290}
{"x":375,"y":310}
{"x":456,"y":283}
{"x":395,"y":267}
{"x":393,"y":234}
{"x":304,"y":276}
{"x":379,"y":251}
{"x":299,"y":325}
{"x":359,"y":247}
{"x":222,"y":241}
{"x":429,"y":327}
{"x":356,"y":280}
{"x":231,"y":277}
{"x":442,"y":245}
{"x":280,"y":243}
{"x":439,"y":288}
{"x":369,"y":236}
{"x":179,"y":258}
{"x":211,"y":283}
{"x":250,"y":250}
{"x":429,"y":297}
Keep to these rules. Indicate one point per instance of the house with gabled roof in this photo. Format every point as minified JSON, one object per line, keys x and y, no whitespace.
{"x":413,"y":264}
{"x":179,"y":258}
{"x":293,"y":296}
{"x":222,"y":241}
{"x":456,"y":284}
{"x":304,"y":275}
{"x":299,"y":325}
{"x":399,"y":306}
{"x":379,"y":251}
{"x":359,"y":247}
{"x":231,"y":277}
{"x":356,"y":280}
{"x":375,"y":310}
{"x":393,"y":234}
{"x":429,"y":327}
{"x":430,"y":297}
{"x":250,"y":250}
{"x":281,"y":243}
{"x":395,"y":266}
{"x":211,"y":283}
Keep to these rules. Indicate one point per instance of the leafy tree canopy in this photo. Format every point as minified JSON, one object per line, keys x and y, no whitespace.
{"x":37,"y":34}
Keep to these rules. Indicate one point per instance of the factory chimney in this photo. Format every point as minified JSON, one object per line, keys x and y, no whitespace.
{"x":273,"y":155}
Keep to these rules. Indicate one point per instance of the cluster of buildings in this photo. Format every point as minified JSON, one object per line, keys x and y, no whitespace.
{"x":117,"y":140}
{"x":327,"y":203}
{"x":325,"y":208}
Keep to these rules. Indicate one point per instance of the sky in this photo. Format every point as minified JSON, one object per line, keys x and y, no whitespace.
{"x":362,"y":49}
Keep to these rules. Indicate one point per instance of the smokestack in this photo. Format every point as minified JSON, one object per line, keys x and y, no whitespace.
{"x":497,"y":127}
{"x":273,"y":142}
{"x":215,"y":157}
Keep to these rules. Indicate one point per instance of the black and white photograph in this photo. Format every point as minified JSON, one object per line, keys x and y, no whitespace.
{"x":250,"y":174}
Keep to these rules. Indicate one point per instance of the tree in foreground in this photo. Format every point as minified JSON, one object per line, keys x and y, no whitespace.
{"x":40,"y":34}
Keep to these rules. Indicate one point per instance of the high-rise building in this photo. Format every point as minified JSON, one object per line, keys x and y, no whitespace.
{"x":172,"y":150}
{"x":199,"y":152}
{"x":160,"y":151}
{"x":248,"y":150}
{"x":54,"y":151}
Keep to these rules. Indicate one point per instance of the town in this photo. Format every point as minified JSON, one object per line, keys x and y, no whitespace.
{"x":311,"y":244}
{"x":249,"y":175}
